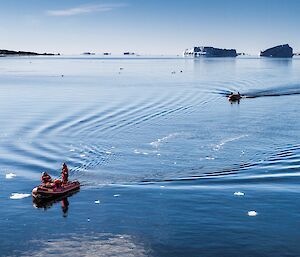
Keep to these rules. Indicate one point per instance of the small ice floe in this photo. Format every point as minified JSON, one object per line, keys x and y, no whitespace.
{"x":97,"y":202}
{"x":252,"y":213}
{"x":16,"y":196}
{"x":239,"y":193}
{"x":116,"y":195}
{"x":10,"y":175}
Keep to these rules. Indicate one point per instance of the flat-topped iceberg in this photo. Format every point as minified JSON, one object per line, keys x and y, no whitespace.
{"x":208,"y":51}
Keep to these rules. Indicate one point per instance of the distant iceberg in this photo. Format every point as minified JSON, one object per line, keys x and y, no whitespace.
{"x":208,"y":51}
{"x":129,"y":53}
{"x":281,"y":51}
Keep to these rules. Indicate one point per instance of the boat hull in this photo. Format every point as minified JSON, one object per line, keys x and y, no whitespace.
{"x":234,"y":97}
{"x":43,"y":192}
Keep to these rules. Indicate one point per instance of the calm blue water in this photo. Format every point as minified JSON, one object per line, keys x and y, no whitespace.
{"x":156,"y":141}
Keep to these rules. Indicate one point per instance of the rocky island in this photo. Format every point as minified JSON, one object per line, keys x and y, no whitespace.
{"x":281,"y":51}
{"x":22,"y":53}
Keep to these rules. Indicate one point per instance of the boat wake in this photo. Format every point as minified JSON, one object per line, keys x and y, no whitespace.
{"x":274,"y":168}
{"x":283,"y":90}
{"x":220,"y":145}
{"x":276,"y":91}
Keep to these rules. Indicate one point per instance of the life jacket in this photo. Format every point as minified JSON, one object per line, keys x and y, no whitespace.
{"x":65,"y":175}
{"x":46,"y":178}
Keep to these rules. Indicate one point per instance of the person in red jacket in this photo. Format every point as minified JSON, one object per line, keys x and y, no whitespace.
{"x":64,"y":173}
{"x":46,"y":178}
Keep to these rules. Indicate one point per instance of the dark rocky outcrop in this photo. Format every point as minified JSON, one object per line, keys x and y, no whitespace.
{"x":281,"y":51}
{"x":21,"y":53}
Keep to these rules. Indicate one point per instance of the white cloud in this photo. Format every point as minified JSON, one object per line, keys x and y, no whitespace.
{"x":83,"y":9}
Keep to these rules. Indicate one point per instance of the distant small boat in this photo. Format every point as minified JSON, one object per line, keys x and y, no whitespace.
{"x":234,"y":97}
{"x":106,"y":53}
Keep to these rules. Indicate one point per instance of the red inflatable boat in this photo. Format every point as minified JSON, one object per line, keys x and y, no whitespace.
{"x":54,"y":190}
{"x":234,"y":97}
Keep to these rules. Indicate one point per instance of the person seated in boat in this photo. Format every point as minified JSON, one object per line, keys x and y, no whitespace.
{"x":57,"y":183}
{"x":65,"y":173}
{"x":46,"y":179}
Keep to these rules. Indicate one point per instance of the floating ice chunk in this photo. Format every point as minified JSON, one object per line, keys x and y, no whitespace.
{"x":16,"y":196}
{"x":239,"y":193}
{"x":10,"y":175}
{"x":252,"y":213}
{"x":116,"y":195}
{"x":97,"y":201}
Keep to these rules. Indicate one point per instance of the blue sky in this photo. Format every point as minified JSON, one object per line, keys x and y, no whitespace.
{"x":147,"y":27}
